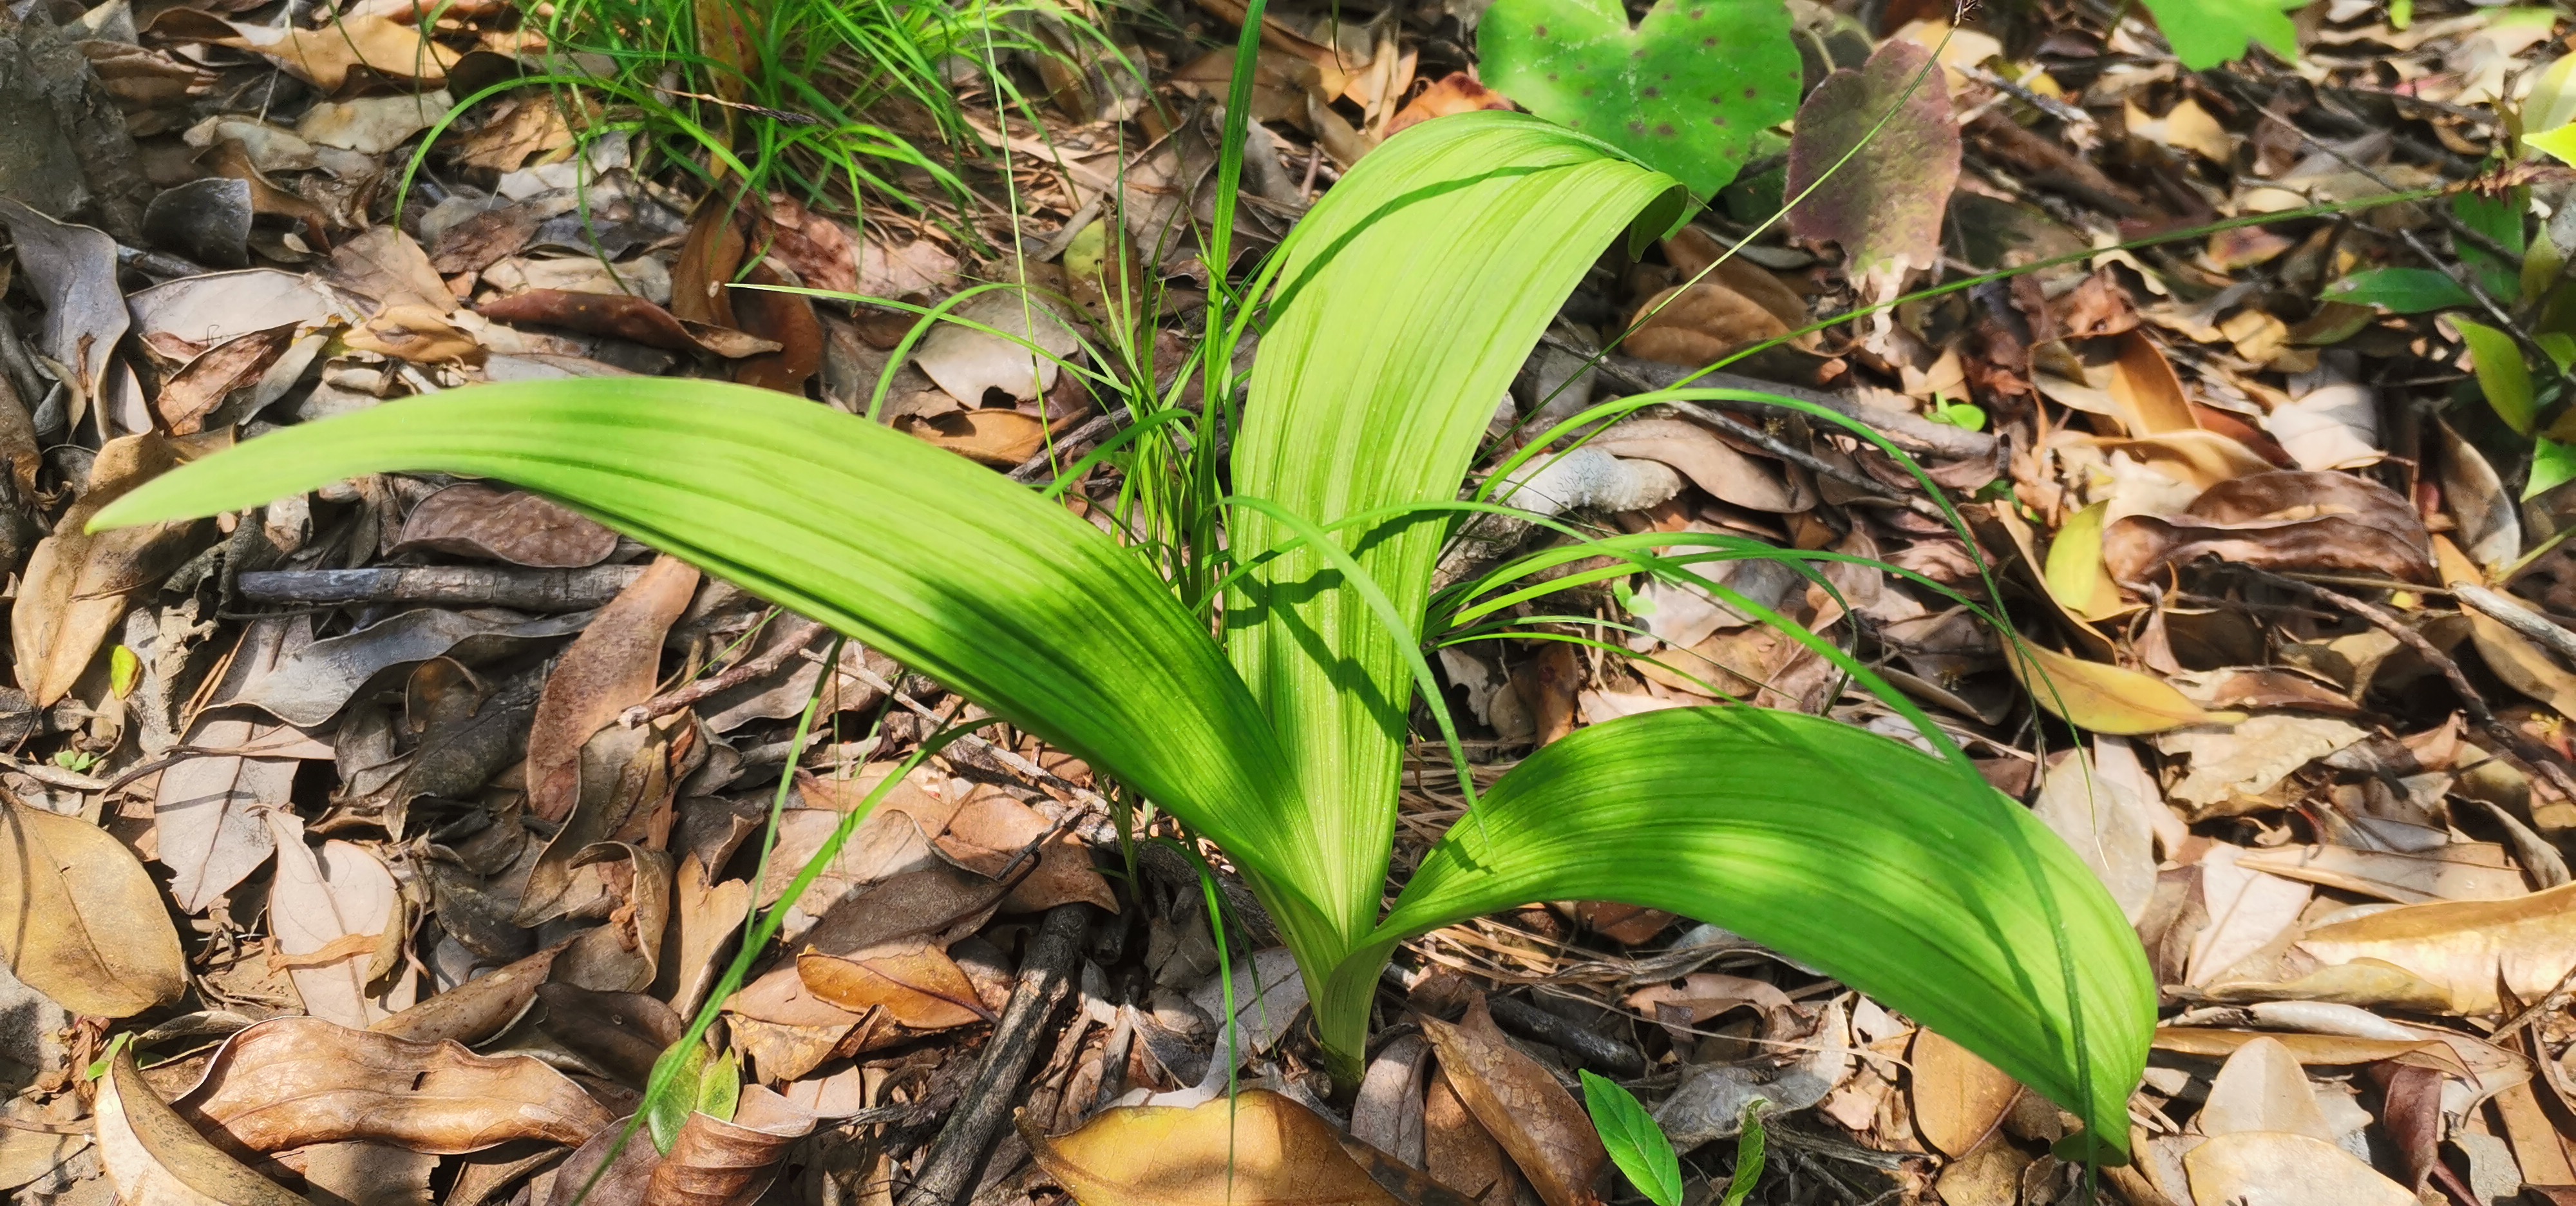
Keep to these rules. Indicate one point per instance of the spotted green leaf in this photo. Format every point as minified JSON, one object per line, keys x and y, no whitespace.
{"x":1685,"y":92}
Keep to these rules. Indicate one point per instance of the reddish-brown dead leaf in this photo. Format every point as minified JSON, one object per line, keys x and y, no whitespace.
{"x":990,"y":832}
{"x":2287,"y":519}
{"x":611,"y":667}
{"x":1521,"y":1105}
{"x":193,"y":393}
{"x":480,"y":519}
{"x":625,"y":316}
{"x":1456,"y":92}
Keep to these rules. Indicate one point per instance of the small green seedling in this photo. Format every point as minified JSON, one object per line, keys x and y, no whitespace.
{"x":1637,"y":1145}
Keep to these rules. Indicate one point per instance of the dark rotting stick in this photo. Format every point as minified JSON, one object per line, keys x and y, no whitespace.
{"x":958,"y":1154}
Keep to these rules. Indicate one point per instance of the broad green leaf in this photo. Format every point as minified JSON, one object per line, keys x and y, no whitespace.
{"x":1686,"y":91}
{"x":1838,"y":848}
{"x":2499,"y":218}
{"x":920,"y":553}
{"x":2551,"y":103}
{"x":2400,"y":290}
{"x":2552,"y":465}
{"x":1882,"y":141}
{"x":1636,"y":1144}
{"x":2206,"y":33}
{"x":2560,"y":142}
{"x":1404,"y":302}
{"x":2502,"y":376}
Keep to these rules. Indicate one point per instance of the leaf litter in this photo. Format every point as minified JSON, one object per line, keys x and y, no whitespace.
{"x":399,"y":897}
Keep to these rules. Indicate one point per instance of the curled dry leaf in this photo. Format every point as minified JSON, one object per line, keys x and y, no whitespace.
{"x":2104,"y":699}
{"x":1258,"y":1149}
{"x":2271,"y":1168}
{"x":419,"y":334}
{"x":1711,"y":463}
{"x":1532,"y":1116}
{"x":153,"y":1156}
{"x":192,"y":394}
{"x":2287,"y":519}
{"x":715,"y":1162}
{"x":76,"y":583}
{"x":611,"y":667}
{"x":288,"y":1082}
{"x":888,"y":947}
{"x":475,"y":1010}
{"x":2233,"y":772}
{"x":478,"y":519}
{"x":625,"y":316}
{"x":74,"y":269}
{"x":2466,"y":949}
{"x":991,"y":831}
{"x":2333,"y":1050}
{"x":2147,"y":391}
{"x":2458,"y":871}
{"x":80,"y":920}
{"x":1959,"y":1099}
{"x":1456,"y":92}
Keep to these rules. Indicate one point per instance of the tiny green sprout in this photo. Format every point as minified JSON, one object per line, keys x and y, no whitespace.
{"x":1636,"y":1144}
{"x":75,"y":761}
{"x":107,"y":1058}
{"x":1966,"y":415}
{"x":124,"y":671}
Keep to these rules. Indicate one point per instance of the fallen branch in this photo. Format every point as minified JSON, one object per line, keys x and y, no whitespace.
{"x":445,"y":585}
{"x":958,"y":1154}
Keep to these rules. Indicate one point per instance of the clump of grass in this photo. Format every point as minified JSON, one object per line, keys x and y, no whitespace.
{"x":821,"y":98}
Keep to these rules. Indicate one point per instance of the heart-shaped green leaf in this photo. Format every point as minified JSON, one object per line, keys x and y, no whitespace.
{"x":1684,"y":92}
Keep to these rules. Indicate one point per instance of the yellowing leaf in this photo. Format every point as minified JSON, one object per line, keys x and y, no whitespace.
{"x":2076,"y":576}
{"x":80,"y":921}
{"x":2104,"y":699}
{"x":1259,"y":1149}
{"x":1958,"y":1098}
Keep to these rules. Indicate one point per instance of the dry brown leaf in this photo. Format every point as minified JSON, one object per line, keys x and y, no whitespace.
{"x":153,"y":1157}
{"x":2465,"y":948}
{"x":288,"y":1082}
{"x":2523,"y":666}
{"x":990,"y":831}
{"x":80,"y":920}
{"x":1456,"y":92}
{"x":1989,"y":1176}
{"x":992,"y":436}
{"x":2262,"y":1088}
{"x":196,"y":390}
{"x":609,"y":668}
{"x":625,"y":316}
{"x":887,"y":946}
{"x":1704,"y":995}
{"x":2103,"y":699}
{"x":322,"y":57}
{"x":2267,"y":1168}
{"x":1259,"y":1149}
{"x":715,"y":1162}
{"x":477,"y":1009}
{"x":2198,"y":459}
{"x":2248,"y":914}
{"x":1711,"y":463}
{"x":1523,"y":1107}
{"x":1699,"y":324}
{"x":1459,"y":1153}
{"x":705,"y":917}
{"x":419,"y":334}
{"x":2234,"y":772}
{"x":1958,"y":1098}
{"x":480,"y":519}
{"x":74,"y":588}
{"x":2287,"y":519}
{"x":2149,"y":394}
{"x":916,"y":984}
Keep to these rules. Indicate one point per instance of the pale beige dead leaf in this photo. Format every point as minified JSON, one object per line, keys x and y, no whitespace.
{"x":996,"y":353}
{"x":322,"y":57}
{"x":1989,"y":1176}
{"x":337,"y":915}
{"x":2198,"y":460}
{"x":2185,"y":127}
{"x":153,"y":1157}
{"x":2104,"y":808}
{"x":1532,"y":1116}
{"x":416,"y":333}
{"x":2248,"y":912}
{"x":2330,"y":1050}
{"x":2465,"y":948}
{"x":80,"y":920}
{"x":1259,"y":1149}
{"x":2263,"y":1088}
{"x":2267,"y":1168}
{"x":27,"y":1155}
{"x":2459,"y":871}
{"x":2232,"y":770}
{"x":1958,"y":1098}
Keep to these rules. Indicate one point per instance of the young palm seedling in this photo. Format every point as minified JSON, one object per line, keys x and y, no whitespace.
{"x":1396,"y":314}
